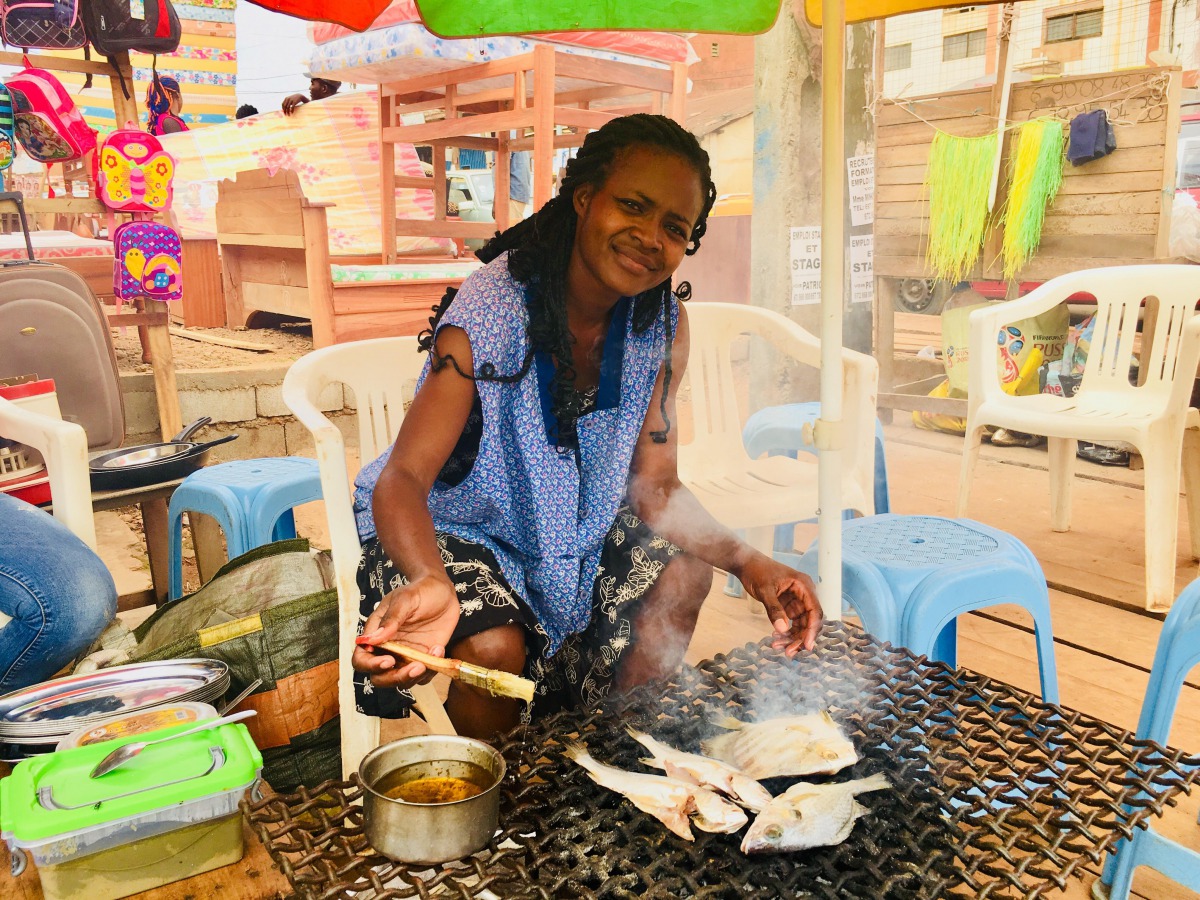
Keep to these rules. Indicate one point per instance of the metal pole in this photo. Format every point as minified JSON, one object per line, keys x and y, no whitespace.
{"x":828,"y":432}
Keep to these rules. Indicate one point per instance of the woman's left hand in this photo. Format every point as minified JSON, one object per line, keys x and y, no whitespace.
{"x":790,"y":599}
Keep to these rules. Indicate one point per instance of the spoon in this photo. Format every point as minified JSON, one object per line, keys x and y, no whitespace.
{"x":240,"y":697}
{"x":126,"y":752}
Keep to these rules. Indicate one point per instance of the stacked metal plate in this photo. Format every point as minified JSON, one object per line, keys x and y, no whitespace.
{"x":35,"y":718}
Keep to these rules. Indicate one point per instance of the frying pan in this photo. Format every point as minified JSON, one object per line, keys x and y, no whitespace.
{"x":135,"y":467}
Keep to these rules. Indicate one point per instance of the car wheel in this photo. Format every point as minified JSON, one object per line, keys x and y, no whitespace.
{"x":914,"y":295}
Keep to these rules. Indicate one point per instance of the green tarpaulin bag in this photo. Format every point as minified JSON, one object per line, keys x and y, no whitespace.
{"x":272,"y":614}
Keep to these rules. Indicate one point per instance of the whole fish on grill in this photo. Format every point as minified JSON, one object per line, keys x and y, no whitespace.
{"x":787,"y":747}
{"x":710,"y":773}
{"x":669,"y":800}
{"x":810,"y":815}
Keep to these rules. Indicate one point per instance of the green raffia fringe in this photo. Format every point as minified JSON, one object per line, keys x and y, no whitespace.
{"x":957,"y":181}
{"x":1035,"y":173}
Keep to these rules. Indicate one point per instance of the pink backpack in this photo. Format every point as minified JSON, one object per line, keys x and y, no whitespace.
{"x":134,"y":173}
{"x":149,"y":261}
{"x":47,"y":123}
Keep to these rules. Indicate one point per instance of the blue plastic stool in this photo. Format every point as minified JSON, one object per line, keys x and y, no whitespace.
{"x":910,"y":577}
{"x":251,"y":499}
{"x":1178,"y":651}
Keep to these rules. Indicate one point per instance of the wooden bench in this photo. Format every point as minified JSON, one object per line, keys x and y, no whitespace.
{"x":275,"y":259}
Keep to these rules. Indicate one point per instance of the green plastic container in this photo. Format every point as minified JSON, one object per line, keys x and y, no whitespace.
{"x":69,"y":823}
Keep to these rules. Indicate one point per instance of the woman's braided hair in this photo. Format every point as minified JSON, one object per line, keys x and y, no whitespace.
{"x":539,"y":252}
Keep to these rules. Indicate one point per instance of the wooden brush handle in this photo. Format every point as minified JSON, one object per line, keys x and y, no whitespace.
{"x":433,"y":663}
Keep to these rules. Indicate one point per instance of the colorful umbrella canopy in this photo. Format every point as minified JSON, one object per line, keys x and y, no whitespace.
{"x":865,"y":10}
{"x":470,"y":18}
{"x":356,"y":14}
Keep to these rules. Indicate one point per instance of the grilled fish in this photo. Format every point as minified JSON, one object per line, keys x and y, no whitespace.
{"x":710,"y":773}
{"x":789,"y":747}
{"x":810,"y":815}
{"x":669,"y":800}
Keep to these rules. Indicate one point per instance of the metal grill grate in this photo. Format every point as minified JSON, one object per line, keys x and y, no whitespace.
{"x":996,"y":794}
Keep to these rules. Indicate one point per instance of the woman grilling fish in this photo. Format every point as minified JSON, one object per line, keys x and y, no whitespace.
{"x":529,"y":516}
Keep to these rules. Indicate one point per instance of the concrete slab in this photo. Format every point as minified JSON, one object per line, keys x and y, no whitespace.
{"x":123,"y":551}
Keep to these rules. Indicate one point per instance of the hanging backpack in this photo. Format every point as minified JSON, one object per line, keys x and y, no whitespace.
{"x":47,"y":123}
{"x":149,"y":262}
{"x":7,"y":149}
{"x":148,"y":26}
{"x":46,"y":24}
{"x":134,"y":173}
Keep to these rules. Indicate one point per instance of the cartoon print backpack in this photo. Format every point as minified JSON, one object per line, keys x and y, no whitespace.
{"x":149,"y":261}
{"x":48,"y":24}
{"x":47,"y":123}
{"x":134,"y":173}
{"x":7,"y":150}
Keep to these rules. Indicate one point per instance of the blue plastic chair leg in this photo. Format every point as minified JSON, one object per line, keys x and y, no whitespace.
{"x":285,"y":527}
{"x":1177,"y":653}
{"x":930,"y":611}
{"x":175,"y":556}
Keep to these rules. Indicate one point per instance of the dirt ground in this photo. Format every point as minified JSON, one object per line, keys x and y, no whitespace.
{"x":279,"y":343}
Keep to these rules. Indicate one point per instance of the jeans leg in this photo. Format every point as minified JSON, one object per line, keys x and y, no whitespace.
{"x":57,"y":591}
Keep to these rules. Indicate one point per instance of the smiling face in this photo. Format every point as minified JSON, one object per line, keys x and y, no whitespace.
{"x":633,"y":229}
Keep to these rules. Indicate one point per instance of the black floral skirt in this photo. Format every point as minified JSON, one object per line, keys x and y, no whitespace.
{"x":581,"y":673}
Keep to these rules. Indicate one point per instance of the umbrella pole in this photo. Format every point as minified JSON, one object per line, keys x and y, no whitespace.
{"x":828,"y":432}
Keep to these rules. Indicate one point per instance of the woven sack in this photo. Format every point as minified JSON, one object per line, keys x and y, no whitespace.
{"x":271,"y":613}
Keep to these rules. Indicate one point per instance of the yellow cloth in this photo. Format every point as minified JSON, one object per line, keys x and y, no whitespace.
{"x":332,"y":145}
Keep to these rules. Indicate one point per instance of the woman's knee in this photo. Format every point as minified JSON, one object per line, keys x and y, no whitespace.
{"x":690,"y":579}
{"x":500,"y":648}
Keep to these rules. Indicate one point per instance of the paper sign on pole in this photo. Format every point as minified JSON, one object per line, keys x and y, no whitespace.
{"x":861,"y":173}
{"x":862,"y":270}
{"x":806,"y":265}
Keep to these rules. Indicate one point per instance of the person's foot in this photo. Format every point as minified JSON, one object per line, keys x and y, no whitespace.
{"x":1002,"y":437}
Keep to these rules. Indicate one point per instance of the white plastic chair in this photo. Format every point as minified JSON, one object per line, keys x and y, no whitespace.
{"x":755,"y":495}
{"x":382,"y":375}
{"x":64,"y":449}
{"x":1153,"y":415}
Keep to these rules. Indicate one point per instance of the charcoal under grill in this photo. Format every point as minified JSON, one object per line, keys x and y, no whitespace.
{"x":995,"y":793}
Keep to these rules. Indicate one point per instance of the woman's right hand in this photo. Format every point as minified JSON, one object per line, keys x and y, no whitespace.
{"x":422,"y":614}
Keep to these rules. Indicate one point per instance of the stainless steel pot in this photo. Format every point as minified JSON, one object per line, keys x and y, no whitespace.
{"x":430,"y":832}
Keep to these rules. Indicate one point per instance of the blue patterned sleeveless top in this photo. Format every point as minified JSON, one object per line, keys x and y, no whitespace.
{"x":543,"y":512}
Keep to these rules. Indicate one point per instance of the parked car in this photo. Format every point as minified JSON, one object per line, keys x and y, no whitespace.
{"x":473,"y":192}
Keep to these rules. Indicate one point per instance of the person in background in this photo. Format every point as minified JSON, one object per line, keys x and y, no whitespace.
{"x":245,"y":111}
{"x":318,"y":89}
{"x":163,"y":103}
{"x":520,"y":191}
{"x":530,"y":515}
{"x":57,"y":593}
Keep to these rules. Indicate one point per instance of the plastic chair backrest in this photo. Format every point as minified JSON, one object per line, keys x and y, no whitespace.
{"x":717,"y":419}
{"x":1170,"y":300}
{"x":382,"y":375}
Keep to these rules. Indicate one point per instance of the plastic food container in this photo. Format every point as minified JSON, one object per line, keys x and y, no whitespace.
{"x":139,"y":723}
{"x":168,"y":813}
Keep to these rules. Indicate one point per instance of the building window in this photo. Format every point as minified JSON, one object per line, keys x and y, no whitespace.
{"x":961,"y":46}
{"x":1074,"y":26}
{"x":897,"y":57}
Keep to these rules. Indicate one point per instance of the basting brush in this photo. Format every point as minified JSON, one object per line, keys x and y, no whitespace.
{"x":495,"y":682}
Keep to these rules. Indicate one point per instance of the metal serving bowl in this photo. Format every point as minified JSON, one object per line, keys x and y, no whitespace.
{"x":430,"y":832}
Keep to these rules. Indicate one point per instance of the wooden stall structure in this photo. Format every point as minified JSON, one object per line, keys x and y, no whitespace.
{"x":275,"y":255}
{"x":154,"y":317}
{"x":548,"y":98}
{"x":1109,"y":212}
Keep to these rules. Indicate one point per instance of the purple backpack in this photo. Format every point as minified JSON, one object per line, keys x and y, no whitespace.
{"x":149,"y":261}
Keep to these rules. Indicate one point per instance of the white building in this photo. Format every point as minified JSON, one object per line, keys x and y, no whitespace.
{"x":928,"y":52}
